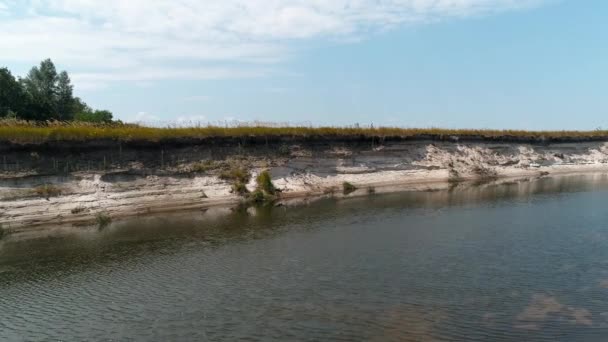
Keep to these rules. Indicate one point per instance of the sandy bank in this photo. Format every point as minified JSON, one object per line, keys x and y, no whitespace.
{"x":128,"y":182}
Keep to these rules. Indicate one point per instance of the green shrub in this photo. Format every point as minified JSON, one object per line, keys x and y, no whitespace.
{"x":348,"y":188}
{"x":97,"y":116}
{"x":257,"y":196}
{"x":236,"y":174}
{"x":239,"y":176}
{"x":103,"y":220}
{"x":264,"y":183}
{"x":240,"y":188}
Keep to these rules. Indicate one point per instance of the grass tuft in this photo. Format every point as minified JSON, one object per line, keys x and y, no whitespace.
{"x":3,"y":232}
{"x":103,"y":220}
{"x":264,"y":183}
{"x":348,"y":188}
{"x":239,"y":176}
{"x":265,"y":191}
{"x":240,"y":188}
{"x":205,"y":166}
{"x":47,"y":191}
{"x":79,"y":209}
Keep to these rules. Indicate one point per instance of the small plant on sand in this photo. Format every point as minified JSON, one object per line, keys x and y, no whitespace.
{"x":78,"y":210}
{"x":265,"y":191}
{"x":204,"y":166}
{"x":239,"y":176}
{"x":483,"y":172}
{"x":258,"y":197}
{"x":348,"y":188}
{"x":240,"y":188}
{"x":47,"y":191}
{"x":3,"y":232}
{"x":103,"y":220}
{"x":330,"y":191}
{"x":264,"y":182}
{"x":236,"y":173}
{"x":454,"y":175}
{"x":284,"y":150}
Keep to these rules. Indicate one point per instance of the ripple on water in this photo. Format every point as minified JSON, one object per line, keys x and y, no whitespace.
{"x":408,"y":267}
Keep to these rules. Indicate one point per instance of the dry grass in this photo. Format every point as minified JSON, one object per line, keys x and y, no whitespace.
{"x":205,"y":166}
{"x":239,"y":176}
{"x":47,"y":191}
{"x":40,"y":132}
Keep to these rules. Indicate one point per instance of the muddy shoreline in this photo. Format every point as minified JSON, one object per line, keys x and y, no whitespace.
{"x":63,"y":183}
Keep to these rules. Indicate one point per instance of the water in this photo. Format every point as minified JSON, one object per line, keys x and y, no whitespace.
{"x":521,"y":261}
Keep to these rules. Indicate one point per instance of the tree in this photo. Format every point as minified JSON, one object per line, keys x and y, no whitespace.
{"x":45,"y":94}
{"x":41,"y":86}
{"x":65,"y":102}
{"x":98,"y":116}
{"x":12,"y":98}
{"x":79,"y":106}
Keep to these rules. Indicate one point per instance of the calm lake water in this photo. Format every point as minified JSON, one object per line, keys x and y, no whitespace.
{"x":514,"y":262}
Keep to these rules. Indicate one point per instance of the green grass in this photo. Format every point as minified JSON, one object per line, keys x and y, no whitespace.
{"x":265,"y":191}
{"x":264,"y":183}
{"x":39,"y":132}
{"x":236,"y":173}
{"x":239,"y":176}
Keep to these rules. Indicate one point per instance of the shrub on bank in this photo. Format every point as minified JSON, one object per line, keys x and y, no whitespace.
{"x":265,"y":191}
{"x":103,"y":220}
{"x":47,"y":191}
{"x":348,"y":188}
{"x":264,"y":183}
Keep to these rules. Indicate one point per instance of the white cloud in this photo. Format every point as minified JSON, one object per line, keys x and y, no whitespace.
{"x":148,"y":40}
{"x":145,"y":118}
{"x":191,"y":120}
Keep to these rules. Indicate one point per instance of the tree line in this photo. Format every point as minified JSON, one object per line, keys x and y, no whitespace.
{"x":44,"y":95}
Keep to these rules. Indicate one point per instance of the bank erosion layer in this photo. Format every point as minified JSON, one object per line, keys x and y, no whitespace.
{"x":71,"y":181}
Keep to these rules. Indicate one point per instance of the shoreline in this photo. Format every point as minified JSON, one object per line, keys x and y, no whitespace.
{"x":58,"y":212}
{"x":136,"y":183}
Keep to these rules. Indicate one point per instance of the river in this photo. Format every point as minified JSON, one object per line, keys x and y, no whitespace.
{"x":523,"y":260}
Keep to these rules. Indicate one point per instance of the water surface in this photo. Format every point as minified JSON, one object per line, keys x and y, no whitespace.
{"x":519,"y":261}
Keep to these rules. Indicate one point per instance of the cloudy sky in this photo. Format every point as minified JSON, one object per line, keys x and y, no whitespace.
{"x":451,"y":63}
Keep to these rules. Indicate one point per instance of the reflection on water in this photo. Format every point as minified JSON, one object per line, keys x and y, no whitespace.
{"x":525,"y":260}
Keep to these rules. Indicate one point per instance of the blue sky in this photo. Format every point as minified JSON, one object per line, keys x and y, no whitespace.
{"x":527,"y":64}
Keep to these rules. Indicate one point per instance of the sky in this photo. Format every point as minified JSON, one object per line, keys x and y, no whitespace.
{"x":516,"y":64}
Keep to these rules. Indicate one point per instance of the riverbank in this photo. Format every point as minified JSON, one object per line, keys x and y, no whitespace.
{"x":71,"y":184}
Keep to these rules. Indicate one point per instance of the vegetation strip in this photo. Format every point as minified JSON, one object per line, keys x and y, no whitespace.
{"x":36,"y":132}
